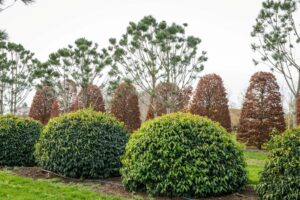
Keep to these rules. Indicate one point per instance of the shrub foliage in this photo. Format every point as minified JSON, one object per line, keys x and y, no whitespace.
{"x":280,"y":179}
{"x":82,"y":144}
{"x":181,"y":154}
{"x":17,"y":138}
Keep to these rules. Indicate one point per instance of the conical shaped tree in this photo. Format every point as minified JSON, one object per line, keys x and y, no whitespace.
{"x":54,"y":108}
{"x":262,"y":110}
{"x":125,"y":106}
{"x":210,"y":100}
{"x":41,"y":105}
{"x":169,"y":98}
{"x":89,"y":97}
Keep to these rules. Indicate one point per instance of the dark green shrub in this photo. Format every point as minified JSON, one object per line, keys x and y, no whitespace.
{"x":83,"y":144}
{"x":182,"y":155}
{"x":17,"y":138}
{"x":280,"y":179}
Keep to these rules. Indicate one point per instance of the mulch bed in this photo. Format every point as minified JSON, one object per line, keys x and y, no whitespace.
{"x":113,"y":186}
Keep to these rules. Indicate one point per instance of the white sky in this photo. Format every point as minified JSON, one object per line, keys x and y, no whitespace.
{"x":223,"y":25}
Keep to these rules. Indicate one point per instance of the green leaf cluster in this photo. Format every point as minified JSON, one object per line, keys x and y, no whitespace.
{"x":83,"y":144}
{"x":17,"y":138}
{"x":280,"y":179}
{"x":183,"y":155}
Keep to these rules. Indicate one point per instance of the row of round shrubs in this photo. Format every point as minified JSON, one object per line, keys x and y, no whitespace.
{"x":173,"y":155}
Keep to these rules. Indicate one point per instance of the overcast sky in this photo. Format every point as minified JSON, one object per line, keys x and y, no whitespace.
{"x":223,"y":25}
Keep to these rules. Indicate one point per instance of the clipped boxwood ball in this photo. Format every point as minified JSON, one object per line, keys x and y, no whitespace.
{"x":83,"y":144}
{"x":18,"y":136}
{"x":183,"y":155}
{"x":280,"y":179}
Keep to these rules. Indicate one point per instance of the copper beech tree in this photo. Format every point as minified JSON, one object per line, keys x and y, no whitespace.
{"x":169,"y":98}
{"x":262,"y":110}
{"x":89,"y":97}
{"x":41,"y":106}
{"x":210,"y":100}
{"x":125,"y":106}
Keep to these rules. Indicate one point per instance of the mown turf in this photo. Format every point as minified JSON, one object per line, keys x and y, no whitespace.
{"x":255,"y":163}
{"x":20,"y":188}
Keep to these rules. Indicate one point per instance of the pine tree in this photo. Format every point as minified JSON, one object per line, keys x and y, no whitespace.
{"x":125,"y":106}
{"x":262,"y":110}
{"x":41,"y":106}
{"x":210,"y":100}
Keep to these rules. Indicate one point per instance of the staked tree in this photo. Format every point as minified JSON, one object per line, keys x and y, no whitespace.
{"x":262,"y":110}
{"x":277,"y":38}
{"x":41,"y":106}
{"x":210,"y":100}
{"x":125,"y":106}
{"x":153,"y":52}
{"x":89,"y":97}
{"x":80,"y":66}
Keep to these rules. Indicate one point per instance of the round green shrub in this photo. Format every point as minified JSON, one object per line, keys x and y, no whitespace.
{"x":17,"y":138}
{"x":280,"y":179}
{"x":183,"y":155}
{"x":83,"y":144}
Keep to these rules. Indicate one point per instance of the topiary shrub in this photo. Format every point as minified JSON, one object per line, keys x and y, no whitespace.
{"x":17,"y":138}
{"x":182,"y":154}
{"x":280,"y":179}
{"x":82,"y":144}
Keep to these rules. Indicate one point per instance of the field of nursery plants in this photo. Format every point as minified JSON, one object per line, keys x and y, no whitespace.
{"x":120,"y":100}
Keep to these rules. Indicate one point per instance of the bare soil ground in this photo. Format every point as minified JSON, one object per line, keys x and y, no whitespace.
{"x":113,"y":186}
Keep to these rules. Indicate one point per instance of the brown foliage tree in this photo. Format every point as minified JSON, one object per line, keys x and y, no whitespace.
{"x":210,"y":100}
{"x":54,"y":108}
{"x":125,"y":106}
{"x":169,"y":98}
{"x":89,"y":97}
{"x":41,"y":105}
{"x":262,"y":110}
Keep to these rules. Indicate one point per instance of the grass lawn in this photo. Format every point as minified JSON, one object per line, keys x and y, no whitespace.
{"x":255,"y":164}
{"x":20,"y":188}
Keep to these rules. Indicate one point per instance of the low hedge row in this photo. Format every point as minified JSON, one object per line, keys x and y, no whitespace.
{"x":177,"y":154}
{"x":17,"y":138}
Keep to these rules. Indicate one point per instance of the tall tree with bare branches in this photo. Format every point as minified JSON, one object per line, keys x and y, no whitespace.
{"x":262,"y":110}
{"x":210,"y":99}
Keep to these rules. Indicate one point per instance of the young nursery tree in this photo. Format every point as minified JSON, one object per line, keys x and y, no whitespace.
{"x":17,"y":75}
{"x":262,"y":110}
{"x":41,"y":106}
{"x":125,"y":106}
{"x":89,"y":97}
{"x":80,"y":65}
{"x":210,"y":100}
{"x":169,"y":98}
{"x":153,"y":52}
{"x":277,"y":37}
